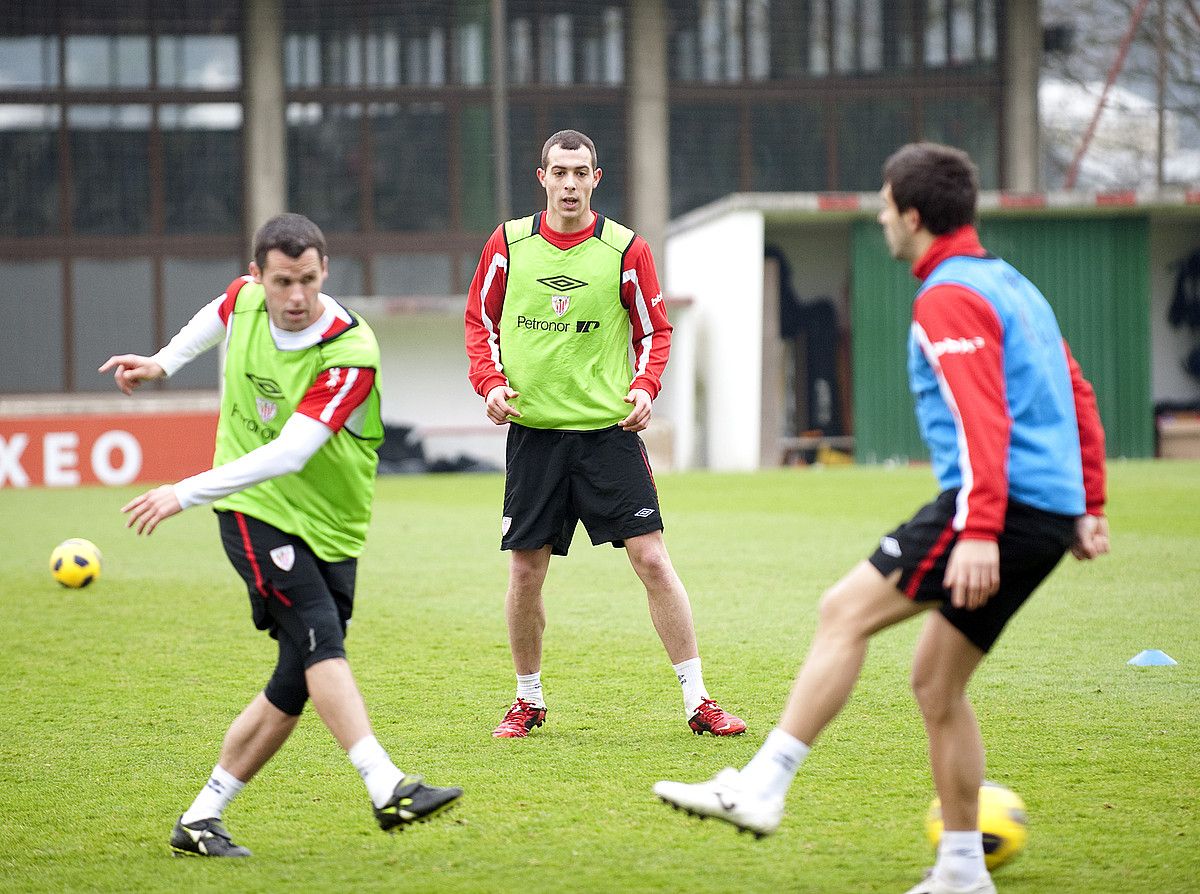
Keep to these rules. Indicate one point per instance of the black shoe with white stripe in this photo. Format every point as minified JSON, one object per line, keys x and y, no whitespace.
{"x":413,"y":802}
{"x":205,"y":838}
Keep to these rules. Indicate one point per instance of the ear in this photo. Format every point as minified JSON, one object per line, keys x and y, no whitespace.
{"x":912,"y":219}
{"x":596,"y":175}
{"x":256,"y":272}
{"x":541,"y":175}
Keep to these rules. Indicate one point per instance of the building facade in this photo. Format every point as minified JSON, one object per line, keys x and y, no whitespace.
{"x":142,"y":141}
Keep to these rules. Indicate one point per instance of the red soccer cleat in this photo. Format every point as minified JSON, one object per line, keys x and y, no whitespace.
{"x":524,"y":716}
{"x":712,"y":718}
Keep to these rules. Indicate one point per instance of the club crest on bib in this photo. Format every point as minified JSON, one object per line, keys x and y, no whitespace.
{"x":266,"y":409}
{"x":560,"y":303}
{"x":284,"y":557}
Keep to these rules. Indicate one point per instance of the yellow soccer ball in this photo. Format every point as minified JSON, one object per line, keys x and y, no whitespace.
{"x":75,"y":563}
{"x":1002,"y":820}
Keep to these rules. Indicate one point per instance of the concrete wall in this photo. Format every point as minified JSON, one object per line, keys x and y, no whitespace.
{"x":424,"y":383}
{"x":719,"y":265}
{"x":819,"y":257}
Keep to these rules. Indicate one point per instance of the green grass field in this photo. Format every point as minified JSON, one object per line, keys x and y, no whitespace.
{"x":113,"y":701}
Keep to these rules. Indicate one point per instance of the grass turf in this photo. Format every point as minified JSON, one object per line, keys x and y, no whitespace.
{"x":114,"y":699}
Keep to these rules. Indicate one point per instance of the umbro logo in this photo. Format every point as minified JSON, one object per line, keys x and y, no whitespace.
{"x":562,"y":283}
{"x":267,"y":387}
{"x":643,"y":513}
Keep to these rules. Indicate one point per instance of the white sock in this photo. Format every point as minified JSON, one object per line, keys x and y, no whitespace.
{"x":960,"y":858}
{"x":375,"y":768}
{"x":529,"y":687}
{"x":692,"y":680}
{"x":771,"y":770}
{"x":221,"y":788}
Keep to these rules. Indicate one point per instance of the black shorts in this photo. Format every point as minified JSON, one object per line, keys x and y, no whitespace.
{"x":297,"y":597}
{"x":1031,"y":544}
{"x":555,"y":479}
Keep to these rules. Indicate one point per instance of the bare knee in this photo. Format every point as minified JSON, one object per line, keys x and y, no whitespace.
{"x":650,"y":559}
{"x":935,"y":697}
{"x":527,"y":572}
{"x":837,"y":615}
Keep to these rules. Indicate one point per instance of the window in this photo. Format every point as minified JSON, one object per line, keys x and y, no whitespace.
{"x":868,"y":132}
{"x":478,"y":171}
{"x":28,"y":62}
{"x":705,"y":161}
{"x":113,"y":311}
{"x":31,"y":339}
{"x":29,"y":170}
{"x":202,"y":167}
{"x":410,"y":174}
{"x":969,"y":124}
{"x":789,"y":147}
{"x":110,"y":159}
{"x":412,"y":274}
{"x":189,"y":284}
{"x":199,"y":62}
{"x":324,"y":161}
{"x":97,"y":62}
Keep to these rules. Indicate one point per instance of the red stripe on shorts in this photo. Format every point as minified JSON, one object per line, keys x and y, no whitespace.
{"x":249,"y":548}
{"x":931,"y":557}
{"x":650,"y":471}
{"x":259,"y":584}
{"x":281,"y":597}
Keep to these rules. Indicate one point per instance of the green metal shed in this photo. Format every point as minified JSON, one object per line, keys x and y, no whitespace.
{"x":1106,"y":262}
{"x":1094,"y":272}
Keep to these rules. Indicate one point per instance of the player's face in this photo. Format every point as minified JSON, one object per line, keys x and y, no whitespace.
{"x":569,"y":179}
{"x":293,"y":287}
{"x":898,"y":229}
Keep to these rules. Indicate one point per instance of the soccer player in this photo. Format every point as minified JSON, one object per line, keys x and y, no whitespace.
{"x":1018,"y":452}
{"x":292,"y":482}
{"x":556,"y":302}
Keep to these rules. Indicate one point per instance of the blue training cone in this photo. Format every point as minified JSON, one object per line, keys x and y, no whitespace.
{"x":1151,"y":658}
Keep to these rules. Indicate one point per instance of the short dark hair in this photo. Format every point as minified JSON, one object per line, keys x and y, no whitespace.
{"x":941,"y":182}
{"x":292,"y":234}
{"x":568,"y":139}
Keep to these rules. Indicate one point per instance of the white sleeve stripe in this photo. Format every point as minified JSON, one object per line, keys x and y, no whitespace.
{"x":964,"y":453}
{"x":200,"y":333}
{"x":501,"y":262}
{"x":643,"y":312}
{"x":298,"y":440}
{"x":335,"y":402}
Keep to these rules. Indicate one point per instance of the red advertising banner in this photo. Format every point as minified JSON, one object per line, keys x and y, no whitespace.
{"x":111,"y":448}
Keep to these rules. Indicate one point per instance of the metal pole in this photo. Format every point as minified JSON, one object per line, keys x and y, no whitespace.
{"x":499,"y":67}
{"x":1161,"y":142}
{"x":1118,"y":64}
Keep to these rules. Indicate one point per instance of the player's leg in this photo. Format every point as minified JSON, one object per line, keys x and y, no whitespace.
{"x":525,"y":615}
{"x":671,"y":614}
{"x":307,"y":603}
{"x":898,"y":581}
{"x":852,"y":611}
{"x":861,"y":604}
{"x":951,"y":647}
{"x":942,"y":666}
{"x":524,"y":609}
{"x":537,"y":524}
{"x":613,"y":493}
{"x":670,"y":609}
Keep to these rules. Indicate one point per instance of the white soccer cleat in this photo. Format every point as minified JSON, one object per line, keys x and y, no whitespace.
{"x":931,"y":884}
{"x":724,"y":797}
